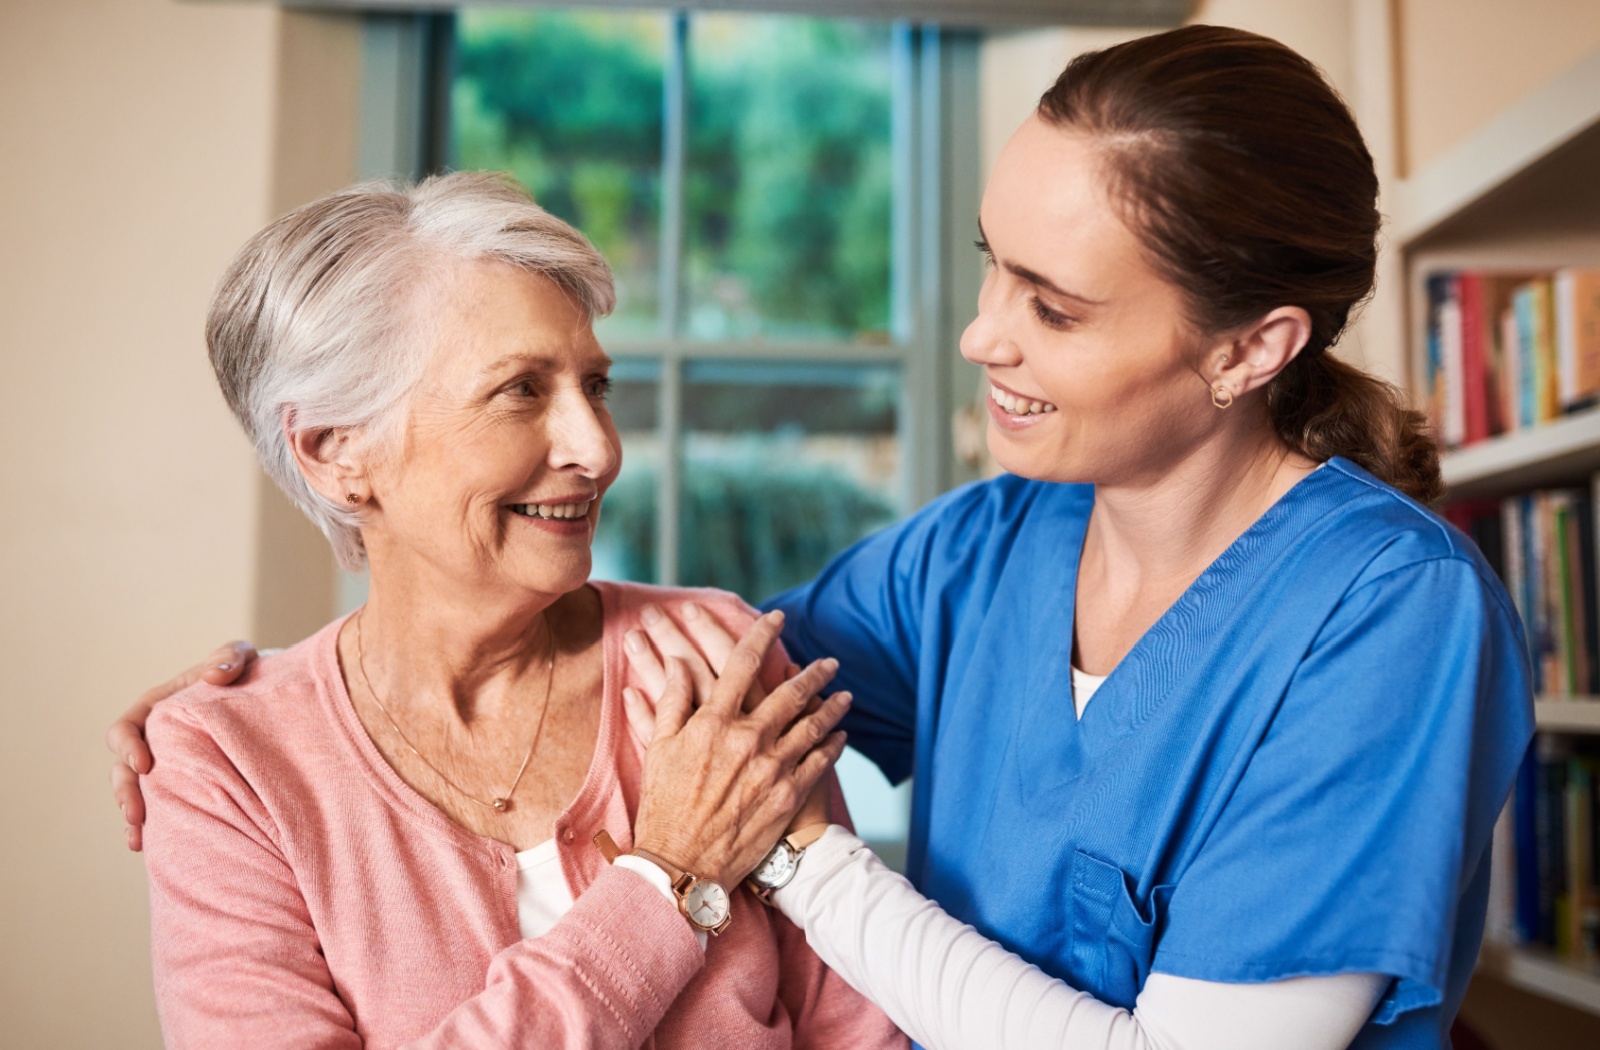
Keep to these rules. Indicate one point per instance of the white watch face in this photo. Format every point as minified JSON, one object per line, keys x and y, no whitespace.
{"x":706,"y":904}
{"x":778,"y":867}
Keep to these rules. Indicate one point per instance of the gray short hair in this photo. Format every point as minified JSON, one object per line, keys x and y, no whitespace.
{"x":320,"y":314}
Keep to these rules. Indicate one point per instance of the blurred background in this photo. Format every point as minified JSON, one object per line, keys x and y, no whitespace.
{"x":787,"y":192}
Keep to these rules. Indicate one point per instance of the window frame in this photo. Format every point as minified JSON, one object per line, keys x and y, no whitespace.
{"x":934,"y":274}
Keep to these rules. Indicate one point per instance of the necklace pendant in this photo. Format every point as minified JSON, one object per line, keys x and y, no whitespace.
{"x":501,"y":805}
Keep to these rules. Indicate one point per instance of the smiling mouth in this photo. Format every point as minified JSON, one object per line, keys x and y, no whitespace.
{"x":552,"y":511}
{"x":1019,"y":406}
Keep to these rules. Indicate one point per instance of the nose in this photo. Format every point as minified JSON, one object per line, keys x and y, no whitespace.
{"x":580,"y":439}
{"x":985,"y":342}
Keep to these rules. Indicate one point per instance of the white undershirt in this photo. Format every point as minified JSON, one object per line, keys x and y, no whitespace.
{"x":1084,"y":686}
{"x":543,"y":895}
{"x":949,"y":987}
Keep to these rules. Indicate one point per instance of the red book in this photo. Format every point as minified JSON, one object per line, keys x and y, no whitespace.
{"x":1475,"y":338}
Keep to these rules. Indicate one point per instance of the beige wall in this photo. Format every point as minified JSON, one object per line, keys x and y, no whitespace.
{"x":1464,"y":62}
{"x":140,"y":144}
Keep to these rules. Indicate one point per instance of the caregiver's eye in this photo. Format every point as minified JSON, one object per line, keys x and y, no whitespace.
{"x":1051,"y":318}
{"x":600,"y":387}
{"x":988,"y":254}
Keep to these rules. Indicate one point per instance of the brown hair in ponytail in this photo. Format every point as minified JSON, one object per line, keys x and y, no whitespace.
{"x":1247,"y":179}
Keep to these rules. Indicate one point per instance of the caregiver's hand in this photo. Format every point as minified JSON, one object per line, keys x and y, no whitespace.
{"x":125,"y":738}
{"x":720,"y":783}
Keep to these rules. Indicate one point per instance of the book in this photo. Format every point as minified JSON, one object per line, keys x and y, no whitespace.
{"x":1508,"y":350}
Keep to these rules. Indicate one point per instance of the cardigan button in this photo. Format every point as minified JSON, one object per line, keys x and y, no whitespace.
{"x":569,"y":834}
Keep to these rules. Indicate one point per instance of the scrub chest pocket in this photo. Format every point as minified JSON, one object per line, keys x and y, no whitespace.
{"x":1113,"y":938}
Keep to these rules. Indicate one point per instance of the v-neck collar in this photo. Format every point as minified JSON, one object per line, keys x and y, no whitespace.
{"x":1139,"y":683}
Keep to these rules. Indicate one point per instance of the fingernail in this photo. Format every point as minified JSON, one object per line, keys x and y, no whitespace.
{"x":830,"y":665}
{"x":635,"y":642}
{"x":128,"y":833}
{"x":650,"y":615}
{"x":132,"y":766}
{"x":691,"y":611}
{"x":224,"y":667}
{"x":776,"y":617}
{"x":844,"y":698}
{"x":125,"y":819}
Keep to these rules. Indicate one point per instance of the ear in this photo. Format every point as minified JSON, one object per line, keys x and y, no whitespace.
{"x":1254,"y":356}
{"x":327,"y":460}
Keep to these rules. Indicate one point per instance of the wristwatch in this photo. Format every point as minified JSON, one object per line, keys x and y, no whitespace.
{"x":702,"y":901}
{"x":783,"y":860}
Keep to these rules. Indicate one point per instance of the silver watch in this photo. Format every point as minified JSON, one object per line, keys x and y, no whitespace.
{"x":777,"y":869}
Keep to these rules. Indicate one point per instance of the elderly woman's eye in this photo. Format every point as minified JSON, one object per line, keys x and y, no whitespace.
{"x":600,"y":387}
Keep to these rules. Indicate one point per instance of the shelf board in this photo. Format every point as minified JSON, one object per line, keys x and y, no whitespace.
{"x":1562,"y":115}
{"x":1563,"y":451}
{"x":1568,"y":714}
{"x":1542,"y":974}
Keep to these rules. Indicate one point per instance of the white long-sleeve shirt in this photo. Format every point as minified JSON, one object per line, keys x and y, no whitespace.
{"x":951,"y":988}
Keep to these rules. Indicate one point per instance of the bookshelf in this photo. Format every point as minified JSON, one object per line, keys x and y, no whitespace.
{"x":1539,"y":973}
{"x":1521,"y":195}
{"x":1567,"y":714}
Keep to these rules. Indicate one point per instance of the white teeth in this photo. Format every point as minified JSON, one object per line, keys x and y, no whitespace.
{"x":1019,"y":406}
{"x":556,"y":511}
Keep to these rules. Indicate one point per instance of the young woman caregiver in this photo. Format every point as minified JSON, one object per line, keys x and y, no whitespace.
{"x":1210,"y":719}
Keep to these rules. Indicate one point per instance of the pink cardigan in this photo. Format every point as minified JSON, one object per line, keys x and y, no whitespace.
{"x":302,"y":895}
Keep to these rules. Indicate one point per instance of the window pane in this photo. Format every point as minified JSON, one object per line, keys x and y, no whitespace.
{"x":570,"y":103}
{"x":784,"y":466}
{"x":625,"y":542}
{"x":787,"y":191}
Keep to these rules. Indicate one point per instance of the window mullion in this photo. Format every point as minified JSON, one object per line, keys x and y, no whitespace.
{"x":675,"y":133}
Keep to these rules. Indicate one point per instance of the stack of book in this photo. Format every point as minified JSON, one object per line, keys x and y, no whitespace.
{"x":1543,"y":546}
{"x":1544,"y":887}
{"x":1544,"y":882}
{"x":1507,"y":351}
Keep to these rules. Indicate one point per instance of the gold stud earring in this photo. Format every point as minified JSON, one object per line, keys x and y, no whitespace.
{"x":1221,"y":396}
{"x":352,"y":499}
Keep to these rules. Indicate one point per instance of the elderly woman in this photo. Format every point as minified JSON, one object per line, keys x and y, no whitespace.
{"x":385,"y":837}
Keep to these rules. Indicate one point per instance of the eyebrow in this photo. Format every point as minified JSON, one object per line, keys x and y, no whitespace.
{"x":538,"y":362}
{"x":1035,"y":278}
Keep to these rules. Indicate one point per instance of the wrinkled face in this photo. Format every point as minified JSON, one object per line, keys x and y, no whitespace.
{"x":507,"y":445}
{"x":1091,"y":364}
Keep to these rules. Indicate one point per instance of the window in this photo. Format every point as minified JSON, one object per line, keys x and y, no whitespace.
{"x":737,"y":170}
{"x":773,"y":195}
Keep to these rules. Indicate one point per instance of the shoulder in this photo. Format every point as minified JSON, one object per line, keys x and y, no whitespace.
{"x":1384,"y":555}
{"x":1389,"y":533}
{"x":269,"y":711}
{"x":624,"y":601}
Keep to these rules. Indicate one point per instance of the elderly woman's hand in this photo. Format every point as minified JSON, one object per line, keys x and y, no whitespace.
{"x":125,"y":738}
{"x":721,"y":783}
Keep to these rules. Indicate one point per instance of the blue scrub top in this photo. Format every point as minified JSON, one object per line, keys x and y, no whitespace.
{"x":1295,"y":772}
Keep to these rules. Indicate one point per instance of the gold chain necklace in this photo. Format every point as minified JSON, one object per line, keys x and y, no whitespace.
{"x":501,"y":803}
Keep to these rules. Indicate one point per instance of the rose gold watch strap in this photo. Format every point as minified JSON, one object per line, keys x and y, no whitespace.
{"x":607,"y":846}
{"x":802,"y":837}
{"x":675,"y":875}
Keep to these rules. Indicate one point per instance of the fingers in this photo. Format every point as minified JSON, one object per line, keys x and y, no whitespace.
{"x":708,"y":635}
{"x":641,"y":715}
{"x":793,"y":698}
{"x":125,"y":790}
{"x":647,"y":666}
{"x":125,"y":738}
{"x":677,"y":701}
{"x":809,"y":773}
{"x":743,"y":666}
{"x":810,"y":731}
{"x":226,"y":663}
{"x":669,"y":641}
